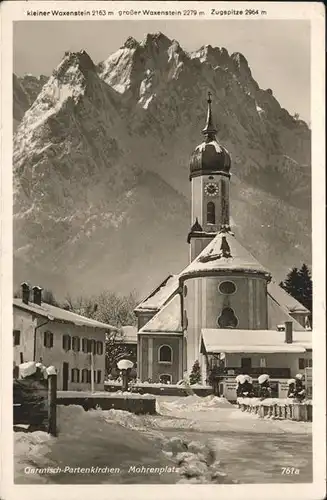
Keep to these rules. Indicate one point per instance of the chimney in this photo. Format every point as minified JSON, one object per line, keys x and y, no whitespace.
{"x":25,"y":292}
{"x":37,"y":295}
{"x":288,"y":332}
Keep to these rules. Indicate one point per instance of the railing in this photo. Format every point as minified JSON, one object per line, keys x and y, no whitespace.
{"x":278,"y":409}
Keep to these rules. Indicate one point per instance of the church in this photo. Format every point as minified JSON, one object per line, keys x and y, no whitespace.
{"x":224,"y":310}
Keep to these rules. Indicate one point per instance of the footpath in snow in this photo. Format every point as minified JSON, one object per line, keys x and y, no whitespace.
{"x":191,"y":439}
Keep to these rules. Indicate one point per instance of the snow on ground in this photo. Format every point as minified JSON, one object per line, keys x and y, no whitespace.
{"x":185,"y":432}
{"x":86,"y":439}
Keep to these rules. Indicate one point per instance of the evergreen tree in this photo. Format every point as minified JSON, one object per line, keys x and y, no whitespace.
{"x":298,"y":284}
{"x":306,"y":286}
{"x":195,"y":376}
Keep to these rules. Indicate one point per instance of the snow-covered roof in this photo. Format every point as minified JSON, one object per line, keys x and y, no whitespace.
{"x":160,"y":295}
{"x":61,"y":315}
{"x":277,"y":315}
{"x":129,"y":334}
{"x":254,"y":341}
{"x":224,"y":253}
{"x":168,"y":319}
{"x":284,"y":299}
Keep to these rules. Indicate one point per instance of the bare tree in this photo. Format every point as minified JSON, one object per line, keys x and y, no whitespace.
{"x":113,"y":309}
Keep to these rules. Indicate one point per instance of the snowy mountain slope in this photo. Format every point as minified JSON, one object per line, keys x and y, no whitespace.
{"x":101,"y":167}
{"x":25,"y":90}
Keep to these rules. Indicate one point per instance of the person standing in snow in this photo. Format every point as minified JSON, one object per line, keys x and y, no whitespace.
{"x":247,"y":387}
{"x":264,"y":386}
{"x":291,"y":388}
{"x":299,"y":392}
{"x":240,"y":379}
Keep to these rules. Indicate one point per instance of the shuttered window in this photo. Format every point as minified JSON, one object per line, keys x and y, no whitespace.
{"x":75,"y":375}
{"x":48,"y":339}
{"x":16,"y":335}
{"x":76,"y":344}
{"x":66,"y":342}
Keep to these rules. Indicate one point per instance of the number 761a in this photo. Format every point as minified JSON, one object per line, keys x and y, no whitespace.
{"x":289,"y":471}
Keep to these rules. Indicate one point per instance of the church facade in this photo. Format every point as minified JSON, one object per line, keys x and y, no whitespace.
{"x":224,"y":309}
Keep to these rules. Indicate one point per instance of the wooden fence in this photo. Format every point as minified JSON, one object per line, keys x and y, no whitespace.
{"x":279,"y":410}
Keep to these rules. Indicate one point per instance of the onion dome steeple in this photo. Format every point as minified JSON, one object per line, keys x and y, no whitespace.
{"x":209,"y":130}
{"x":210,"y":157}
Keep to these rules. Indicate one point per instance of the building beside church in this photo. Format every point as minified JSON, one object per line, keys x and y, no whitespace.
{"x":224,"y":309}
{"x":73,"y":344}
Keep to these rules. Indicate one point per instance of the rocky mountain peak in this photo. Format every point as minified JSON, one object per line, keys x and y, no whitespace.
{"x":157,"y":40}
{"x":240,"y":63}
{"x":75,"y":61}
{"x":215,"y":56}
{"x":131,"y":43}
{"x":101,"y":166}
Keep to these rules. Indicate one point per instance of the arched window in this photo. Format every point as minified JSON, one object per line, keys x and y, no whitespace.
{"x":165,"y":354}
{"x":227,"y":319}
{"x":165,"y":378}
{"x":211,"y":213}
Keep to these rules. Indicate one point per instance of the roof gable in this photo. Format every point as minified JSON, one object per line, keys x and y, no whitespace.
{"x":284,"y":299}
{"x":168,"y":319}
{"x":224,"y":253}
{"x":160,"y":295}
{"x":277,"y":315}
{"x":54,"y":313}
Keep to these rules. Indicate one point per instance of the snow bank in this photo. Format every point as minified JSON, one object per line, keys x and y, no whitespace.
{"x":196,"y":403}
{"x":118,"y":440}
{"x":87,"y":440}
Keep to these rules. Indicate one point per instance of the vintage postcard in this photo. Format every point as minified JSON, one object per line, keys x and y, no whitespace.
{"x":163,"y":250}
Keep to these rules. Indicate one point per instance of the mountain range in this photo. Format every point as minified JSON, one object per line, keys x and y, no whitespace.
{"x":101,"y":166}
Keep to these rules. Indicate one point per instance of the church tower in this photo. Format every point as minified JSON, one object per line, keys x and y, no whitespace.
{"x":210,"y":177}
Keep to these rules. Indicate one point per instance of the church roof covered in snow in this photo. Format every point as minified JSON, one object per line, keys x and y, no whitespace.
{"x":160,"y":295}
{"x":284,"y":299}
{"x":167,"y":320}
{"x":129,"y":334}
{"x":254,"y":341}
{"x":278,"y":314}
{"x":224,"y":254}
{"x":53,"y":313}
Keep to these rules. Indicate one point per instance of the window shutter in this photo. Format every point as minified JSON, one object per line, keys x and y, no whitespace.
{"x":99,"y":348}
{"x":16,"y":337}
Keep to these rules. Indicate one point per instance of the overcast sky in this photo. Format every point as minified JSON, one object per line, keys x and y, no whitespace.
{"x":278,"y":52}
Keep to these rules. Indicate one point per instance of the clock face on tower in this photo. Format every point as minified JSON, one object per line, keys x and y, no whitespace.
{"x":211,"y":189}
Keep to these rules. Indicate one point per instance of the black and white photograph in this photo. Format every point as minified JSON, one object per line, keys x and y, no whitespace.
{"x":164,"y":283}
